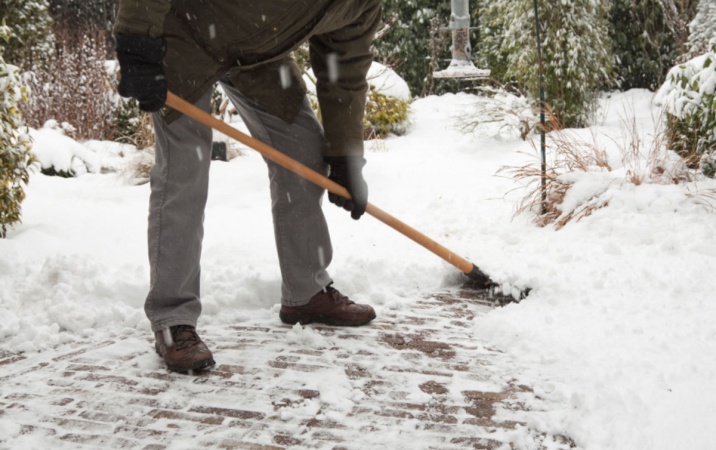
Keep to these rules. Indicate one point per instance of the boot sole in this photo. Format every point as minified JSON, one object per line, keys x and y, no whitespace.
{"x":197,"y":365}
{"x":305,"y":320}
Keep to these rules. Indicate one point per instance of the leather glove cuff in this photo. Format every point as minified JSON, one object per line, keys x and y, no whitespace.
{"x":142,"y":71}
{"x":140,"y":49}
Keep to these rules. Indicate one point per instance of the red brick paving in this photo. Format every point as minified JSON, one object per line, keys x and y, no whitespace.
{"x":413,"y":379}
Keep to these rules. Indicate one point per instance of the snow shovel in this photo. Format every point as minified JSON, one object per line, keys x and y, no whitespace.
{"x":477,"y":279}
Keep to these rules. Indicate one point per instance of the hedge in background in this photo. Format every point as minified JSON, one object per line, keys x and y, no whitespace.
{"x":644,"y":45}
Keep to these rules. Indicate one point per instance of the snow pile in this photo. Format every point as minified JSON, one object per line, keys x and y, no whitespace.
{"x":617,"y":336}
{"x":501,"y":115}
{"x":385,"y":81}
{"x":58,"y":153}
{"x":54,"y":150}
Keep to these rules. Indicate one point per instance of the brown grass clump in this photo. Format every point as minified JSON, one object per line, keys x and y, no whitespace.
{"x":545,"y":194}
{"x":138,"y":168}
{"x":651,"y":164}
{"x":135,"y":127}
{"x":705,"y":198}
{"x":568,"y":153}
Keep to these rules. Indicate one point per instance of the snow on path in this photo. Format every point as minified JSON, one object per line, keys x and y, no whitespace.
{"x":413,"y":380}
{"x":617,"y":337}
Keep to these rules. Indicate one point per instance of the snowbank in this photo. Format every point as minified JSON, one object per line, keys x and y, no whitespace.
{"x":617,"y":336}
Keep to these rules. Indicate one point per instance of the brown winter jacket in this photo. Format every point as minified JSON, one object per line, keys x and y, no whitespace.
{"x":251,"y":41}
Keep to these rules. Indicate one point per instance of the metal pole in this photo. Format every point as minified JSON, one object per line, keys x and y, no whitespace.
{"x":541,"y":115}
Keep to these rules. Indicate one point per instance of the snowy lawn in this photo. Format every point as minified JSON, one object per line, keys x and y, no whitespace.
{"x":618,"y":334}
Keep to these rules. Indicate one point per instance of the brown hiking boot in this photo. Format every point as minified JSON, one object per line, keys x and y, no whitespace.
{"x":183,"y":349}
{"x":330,"y":307}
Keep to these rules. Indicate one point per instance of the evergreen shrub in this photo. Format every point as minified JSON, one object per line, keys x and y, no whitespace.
{"x":15,"y":144}
{"x":689,"y":99}
{"x":384,"y":115}
{"x":403,"y":46}
{"x":576,"y":51}
{"x":31,"y":43}
{"x":702,"y":29}
{"x":644,"y":45}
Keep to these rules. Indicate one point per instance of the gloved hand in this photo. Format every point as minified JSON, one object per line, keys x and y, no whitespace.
{"x":348,"y":172}
{"x":142,"y":74}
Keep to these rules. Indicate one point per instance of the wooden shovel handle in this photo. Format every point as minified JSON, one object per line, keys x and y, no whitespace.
{"x":294,"y":166}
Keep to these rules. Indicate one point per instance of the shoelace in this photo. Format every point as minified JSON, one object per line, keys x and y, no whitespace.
{"x":337,"y":296}
{"x":184,"y":336}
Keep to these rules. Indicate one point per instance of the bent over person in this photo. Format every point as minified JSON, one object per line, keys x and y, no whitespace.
{"x":187,"y":46}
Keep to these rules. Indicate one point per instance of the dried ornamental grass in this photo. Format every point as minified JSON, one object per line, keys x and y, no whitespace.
{"x":570,"y":156}
{"x":550,"y":195}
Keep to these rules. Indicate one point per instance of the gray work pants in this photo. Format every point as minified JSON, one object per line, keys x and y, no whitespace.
{"x":179,"y":188}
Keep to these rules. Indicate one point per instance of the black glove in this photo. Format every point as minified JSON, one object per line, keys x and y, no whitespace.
{"x":142,"y":74}
{"x":348,"y":172}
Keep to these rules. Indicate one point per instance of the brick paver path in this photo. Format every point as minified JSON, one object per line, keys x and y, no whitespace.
{"x":414,"y":379}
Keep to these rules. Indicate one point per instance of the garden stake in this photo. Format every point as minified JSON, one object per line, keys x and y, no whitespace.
{"x":543,"y":164}
{"x":478,"y":280}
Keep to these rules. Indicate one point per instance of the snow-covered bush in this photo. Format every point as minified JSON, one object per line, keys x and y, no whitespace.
{"x":576,"y":51}
{"x":92,"y":14}
{"x":15,"y":144}
{"x":93,"y":17}
{"x":702,"y":29}
{"x":688,"y":97}
{"x":30,"y":45}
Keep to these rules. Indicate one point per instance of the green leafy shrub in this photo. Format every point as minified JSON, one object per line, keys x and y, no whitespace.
{"x":689,"y":99}
{"x":384,"y":115}
{"x":15,"y":144}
